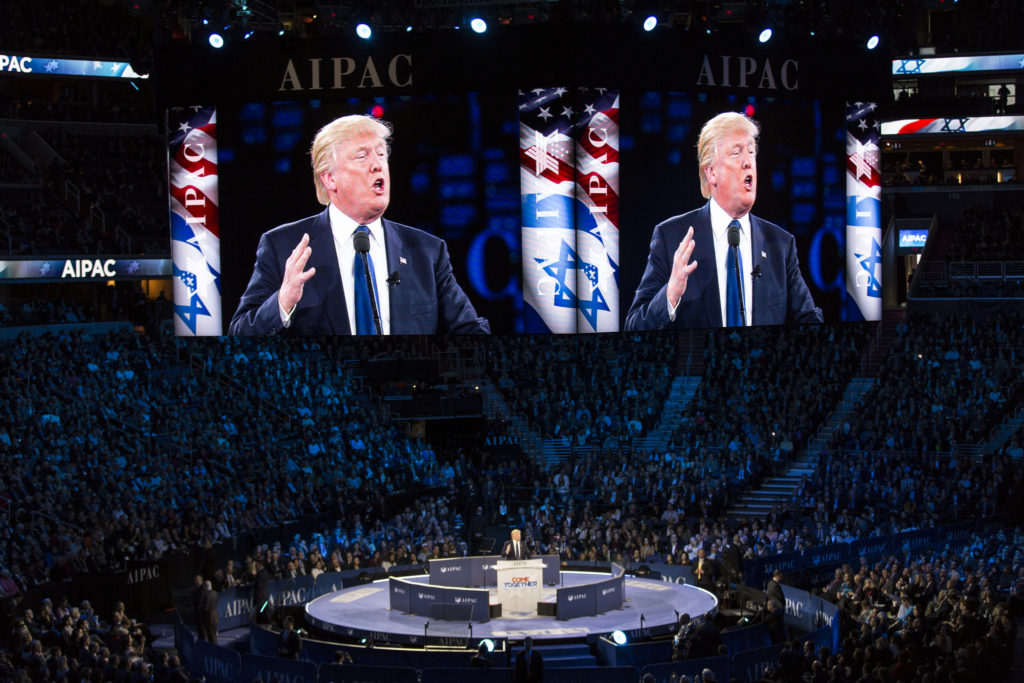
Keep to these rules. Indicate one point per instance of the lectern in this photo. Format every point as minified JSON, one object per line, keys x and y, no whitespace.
{"x":519,"y":583}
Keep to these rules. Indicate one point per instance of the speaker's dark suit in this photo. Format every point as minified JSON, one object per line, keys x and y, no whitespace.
{"x":779,"y":293}
{"x":427,"y":300}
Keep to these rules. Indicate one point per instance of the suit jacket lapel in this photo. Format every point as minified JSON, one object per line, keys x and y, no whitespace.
{"x":327,"y":280}
{"x":707,"y":270}
{"x":394,"y":246}
{"x":758,"y":290}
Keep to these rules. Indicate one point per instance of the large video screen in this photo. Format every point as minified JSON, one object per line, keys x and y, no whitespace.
{"x":544,"y":181}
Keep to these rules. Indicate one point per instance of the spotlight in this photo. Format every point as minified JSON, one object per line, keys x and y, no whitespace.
{"x":650,"y":22}
{"x":248,"y":34}
{"x":216,"y":40}
{"x":618,"y":637}
{"x":364,"y":31}
{"x":488,"y":643}
{"x":765,"y":36}
{"x":873,"y":42}
{"x":478,"y":25}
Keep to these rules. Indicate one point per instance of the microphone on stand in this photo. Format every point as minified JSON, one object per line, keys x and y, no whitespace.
{"x":361,"y":243}
{"x":734,"y":244}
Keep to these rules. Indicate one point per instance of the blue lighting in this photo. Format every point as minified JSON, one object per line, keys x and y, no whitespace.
{"x":618,"y":637}
{"x":364,"y":31}
{"x":216,"y":40}
{"x":478,"y":25}
{"x":650,"y":23}
{"x":765,"y":36}
{"x":873,"y":42}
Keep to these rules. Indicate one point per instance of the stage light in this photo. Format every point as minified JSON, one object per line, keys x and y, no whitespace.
{"x":873,"y":42}
{"x":478,"y":25}
{"x":765,"y":36}
{"x":408,"y":29}
{"x":618,"y":637}
{"x":488,"y":643}
{"x":364,"y":31}
{"x":248,"y":34}
{"x":216,"y":40}
{"x":650,"y":22}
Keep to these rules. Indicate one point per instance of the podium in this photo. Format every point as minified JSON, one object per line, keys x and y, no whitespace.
{"x":519,"y":583}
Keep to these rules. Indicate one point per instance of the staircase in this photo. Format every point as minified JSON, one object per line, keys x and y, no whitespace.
{"x":779,"y":490}
{"x":679,"y":397}
{"x":855,"y":390}
{"x":495,"y":408}
{"x":774,"y":490}
{"x":872,"y":360}
{"x":1002,"y":433}
{"x":566,"y":656}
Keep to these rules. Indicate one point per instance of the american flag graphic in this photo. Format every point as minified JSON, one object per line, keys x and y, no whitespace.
{"x":863,"y":213}
{"x":569,"y":182}
{"x":195,"y":227}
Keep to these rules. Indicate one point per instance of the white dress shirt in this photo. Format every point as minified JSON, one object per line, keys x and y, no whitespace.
{"x":343,"y":228}
{"x":720,"y":229}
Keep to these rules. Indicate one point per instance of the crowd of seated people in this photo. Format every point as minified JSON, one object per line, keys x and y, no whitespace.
{"x":585,"y":389}
{"x":86,"y":400}
{"x":81,"y":29}
{"x":804,"y":370}
{"x":125,"y":178}
{"x":988,"y":235}
{"x":64,"y":642}
{"x":906,"y":172}
{"x":946,"y":380}
{"x":103,"y":101}
{"x":939,"y":615}
{"x":82,"y":494}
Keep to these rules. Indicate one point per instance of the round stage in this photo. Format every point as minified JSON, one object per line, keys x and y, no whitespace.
{"x":364,"y":612}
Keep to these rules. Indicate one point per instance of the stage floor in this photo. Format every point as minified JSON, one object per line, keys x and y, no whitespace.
{"x":364,"y":611}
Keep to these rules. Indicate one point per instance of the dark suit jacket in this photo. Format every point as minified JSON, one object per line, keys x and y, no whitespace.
{"x":779,"y":294}
{"x":527,"y":671}
{"x":427,"y":300}
{"x":507,"y":550}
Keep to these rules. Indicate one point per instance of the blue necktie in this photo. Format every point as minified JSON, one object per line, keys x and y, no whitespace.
{"x":364,"y":310}
{"x":733,"y":292}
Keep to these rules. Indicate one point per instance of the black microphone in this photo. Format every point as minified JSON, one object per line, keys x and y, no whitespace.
{"x":361,"y":243}
{"x":756,"y":272}
{"x":394,"y":279}
{"x":734,"y":243}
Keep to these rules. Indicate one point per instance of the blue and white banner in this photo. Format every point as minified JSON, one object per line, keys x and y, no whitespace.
{"x":277,"y":669}
{"x":195,"y":221}
{"x":915,"y":66}
{"x":569,"y":185}
{"x":85,"y":268}
{"x":214,"y":663}
{"x":954,"y":124}
{"x":62,"y":66}
{"x":863,"y":214}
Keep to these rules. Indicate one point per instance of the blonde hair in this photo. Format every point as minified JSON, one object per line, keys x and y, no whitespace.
{"x":336,"y":132}
{"x":717,"y":127}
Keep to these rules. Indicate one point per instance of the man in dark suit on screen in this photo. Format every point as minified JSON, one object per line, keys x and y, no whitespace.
{"x":411,"y":274}
{"x":687,"y":280}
